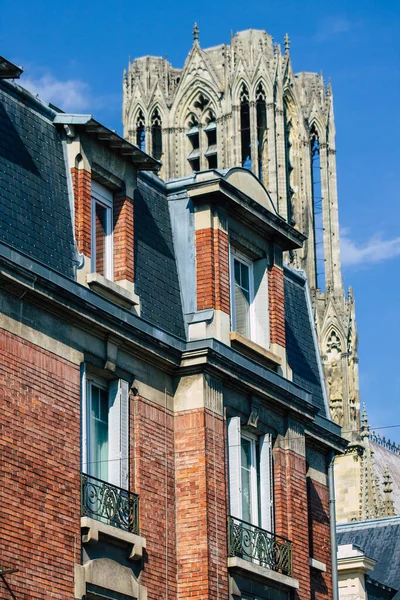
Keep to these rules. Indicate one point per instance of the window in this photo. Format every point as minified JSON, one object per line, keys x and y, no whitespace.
{"x":261,"y":131}
{"x":249,"y":297}
{"x":156,"y":135}
{"x":245,"y":128}
{"x":105,"y":429}
{"x":250,"y":476}
{"x":211,"y":134}
{"x":241,"y":294}
{"x":141,"y":131}
{"x":317,"y":208}
{"x":101,"y":243}
{"x":194,"y":140}
{"x":289,"y":164}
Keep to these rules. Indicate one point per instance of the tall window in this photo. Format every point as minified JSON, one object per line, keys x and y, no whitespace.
{"x":317,"y":208}
{"x":289,"y":165}
{"x":156,"y":134}
{"x":261,"y":111}
{"x":211,"y":133}
{"x":194,"y":140}
{"x":101,"y":242}
{"x":245,"y":127}
{"x":241,"y":294}
{"x":250,"y":475}
{"x":141,"y":131}
{"x":105,"y":429}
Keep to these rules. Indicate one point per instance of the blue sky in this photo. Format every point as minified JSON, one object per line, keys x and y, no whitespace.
{"x":74,"y":53}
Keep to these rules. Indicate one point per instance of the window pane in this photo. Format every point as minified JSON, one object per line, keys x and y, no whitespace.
{"x":242,"y":311}
{"x":100,"y":233}
{"x":246,"y":479}
{"x":98,"y":460}
{"x":245,"y":276}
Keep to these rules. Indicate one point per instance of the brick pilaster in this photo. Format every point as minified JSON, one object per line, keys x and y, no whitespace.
{"x":276,"y":306}
{"x":201,"y":508}
{"x":291,"y":512}
{"x":212,"y":270}
{"x":320,"y":543}
{"x":123,"y":239}
{"x":82,"y":185}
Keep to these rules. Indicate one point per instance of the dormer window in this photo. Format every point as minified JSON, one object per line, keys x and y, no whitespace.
{"x":101,"y":238}
{"x":241,"y":294}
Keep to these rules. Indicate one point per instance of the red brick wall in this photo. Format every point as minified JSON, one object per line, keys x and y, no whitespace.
{"x":123,"y":238}
{"x":276,"y":306}
{"x":40,"y":489}
{"x":82,"y":184}
{"x":201,"y":508}
{"x":291,"y":512}
{"x":212,"y":270}
{"x":320,"y":544}
{"x":153,"y":478}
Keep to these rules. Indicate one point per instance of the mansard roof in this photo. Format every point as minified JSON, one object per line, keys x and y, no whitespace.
{"x":35,"y":204}
{"x":301,"y":340}
{"x":379,"y":539}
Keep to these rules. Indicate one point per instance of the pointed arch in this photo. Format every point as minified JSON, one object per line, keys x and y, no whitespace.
{"x":245,"y":127}
{"x":140,"y":126}
{"x":316,"y":194}
{"x":262,"y":130}
{"x":156,"y":133}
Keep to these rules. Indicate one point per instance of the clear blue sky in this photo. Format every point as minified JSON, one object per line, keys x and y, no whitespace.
{"x":74,"y":54}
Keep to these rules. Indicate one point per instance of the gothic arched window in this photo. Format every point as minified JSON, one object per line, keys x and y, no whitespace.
{"x":317,"y":207}
{"x":211,"y":133}
{"x":194,"y":139}
{"x":141,"y":131}
{"x":261,"y":111}
{"x":245,"y":127}
{"x":156,"y":134}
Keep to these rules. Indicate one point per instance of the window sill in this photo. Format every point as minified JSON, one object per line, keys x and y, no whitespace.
{"x":317,"y":565}
{"x":92,"y":530}
{"x":261,"y":574}
{"x":254,"y":351}
{"x":112,"y":291}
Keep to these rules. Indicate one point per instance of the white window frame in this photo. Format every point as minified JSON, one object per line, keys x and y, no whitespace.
{"x":234,"y":254}
{"x":235,"y":435}
{"x":103,"y":197}
{"x":118,"y":426}
{"x":255,"y":509}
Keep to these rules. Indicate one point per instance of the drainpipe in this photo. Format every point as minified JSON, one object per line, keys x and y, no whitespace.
{"x":332,"y":515}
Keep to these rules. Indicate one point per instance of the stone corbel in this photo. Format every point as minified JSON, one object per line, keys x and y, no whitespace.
{"x":92,"y":529}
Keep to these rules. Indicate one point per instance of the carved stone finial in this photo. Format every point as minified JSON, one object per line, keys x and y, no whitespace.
{"x":195,"y":32}
{"x":388,"y":504}
{"x":364,"y":423}
{"x":387,"y":482}
{"x":287,"y":43}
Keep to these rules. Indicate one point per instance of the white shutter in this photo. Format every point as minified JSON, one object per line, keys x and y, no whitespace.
{"x":261,"y":310}
{"x":266,"y":483}
{"x":84,"y":420}
{"x":124,"y":433}
{"x":234,"y":448}
{"x":114,"y":432}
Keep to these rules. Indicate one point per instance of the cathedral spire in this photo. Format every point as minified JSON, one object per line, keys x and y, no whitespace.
{"x":195,"y":32}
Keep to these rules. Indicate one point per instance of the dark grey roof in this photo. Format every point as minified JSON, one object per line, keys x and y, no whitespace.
{"x":380,"y":540}
{"x":156,"y":275}
{"x":35,"y":214}
{"x":300,"y":345}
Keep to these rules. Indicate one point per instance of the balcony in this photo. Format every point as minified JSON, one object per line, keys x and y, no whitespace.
{"x":258,"y":546}
{"x":109,"y":504}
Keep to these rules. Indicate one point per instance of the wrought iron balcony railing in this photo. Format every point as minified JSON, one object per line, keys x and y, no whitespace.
{"x":259,"y":546}
{"x":110,"y":504}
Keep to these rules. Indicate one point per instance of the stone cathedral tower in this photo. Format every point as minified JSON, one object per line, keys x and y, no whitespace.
{"x":241,"y":104}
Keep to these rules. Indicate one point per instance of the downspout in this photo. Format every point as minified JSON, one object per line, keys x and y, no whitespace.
{"x":332,"y":517}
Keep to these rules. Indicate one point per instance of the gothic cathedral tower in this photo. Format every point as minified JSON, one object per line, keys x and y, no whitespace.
{"x":241,"y":104}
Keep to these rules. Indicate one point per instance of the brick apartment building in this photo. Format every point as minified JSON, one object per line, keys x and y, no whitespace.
{"x":165,"y":432}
